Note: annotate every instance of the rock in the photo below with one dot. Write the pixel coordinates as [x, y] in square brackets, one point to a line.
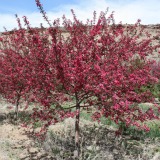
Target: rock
[75, 154]
[33, 150]
[49, 157]
[23, 155]
[94, 142]
[157, 101]
[32, 143]
[96, 129]
[97, 148]
[31, 130]
[156, 157]
[19, 127]
[37, 130]
[90, 148]
[27, 143]
[115, 151]
[110, 157]
[41, 154]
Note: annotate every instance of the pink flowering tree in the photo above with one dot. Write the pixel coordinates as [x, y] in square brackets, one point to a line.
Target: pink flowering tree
[156, 72]
[98, 65]
[12, 64]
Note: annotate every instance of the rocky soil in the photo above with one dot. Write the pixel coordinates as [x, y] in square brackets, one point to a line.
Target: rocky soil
[98, 142]
[15, 143]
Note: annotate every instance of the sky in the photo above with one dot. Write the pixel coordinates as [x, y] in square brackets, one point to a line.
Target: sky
[127, 11]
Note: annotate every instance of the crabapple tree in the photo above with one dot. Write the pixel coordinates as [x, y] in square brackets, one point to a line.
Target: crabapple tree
[97, 64]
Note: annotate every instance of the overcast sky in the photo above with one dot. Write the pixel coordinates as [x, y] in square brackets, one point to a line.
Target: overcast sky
[127, 11]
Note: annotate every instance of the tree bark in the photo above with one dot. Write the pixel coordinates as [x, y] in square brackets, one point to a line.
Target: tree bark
[17, 107]
[77, 130]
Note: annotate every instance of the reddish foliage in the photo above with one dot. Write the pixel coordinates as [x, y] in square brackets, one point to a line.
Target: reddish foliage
[99, 64]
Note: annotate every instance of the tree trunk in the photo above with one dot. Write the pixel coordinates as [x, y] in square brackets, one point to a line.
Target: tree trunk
[16, 109]
[77, 145]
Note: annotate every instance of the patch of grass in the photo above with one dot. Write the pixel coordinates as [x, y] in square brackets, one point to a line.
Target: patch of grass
[154, 132]
[103, 120]
[86, 116]
[154, 129]
[98, 141]
[156, 90]
[37, 124]
[145, 107]
[93, 140]
[25, 116]
[108, 121]
[154, 125]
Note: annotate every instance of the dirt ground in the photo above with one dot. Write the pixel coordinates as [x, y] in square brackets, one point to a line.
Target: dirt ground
[12, 141]
[16, 144]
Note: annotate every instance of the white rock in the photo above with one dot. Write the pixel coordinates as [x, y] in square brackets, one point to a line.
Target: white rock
[33, 150]
[23, 155]
[90, 148]
[156, 157]
[41, 154]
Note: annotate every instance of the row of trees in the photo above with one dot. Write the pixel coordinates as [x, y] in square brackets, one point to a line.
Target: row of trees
[97, 64]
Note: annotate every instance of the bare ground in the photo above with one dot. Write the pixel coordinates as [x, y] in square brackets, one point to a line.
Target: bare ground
[98, 142]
